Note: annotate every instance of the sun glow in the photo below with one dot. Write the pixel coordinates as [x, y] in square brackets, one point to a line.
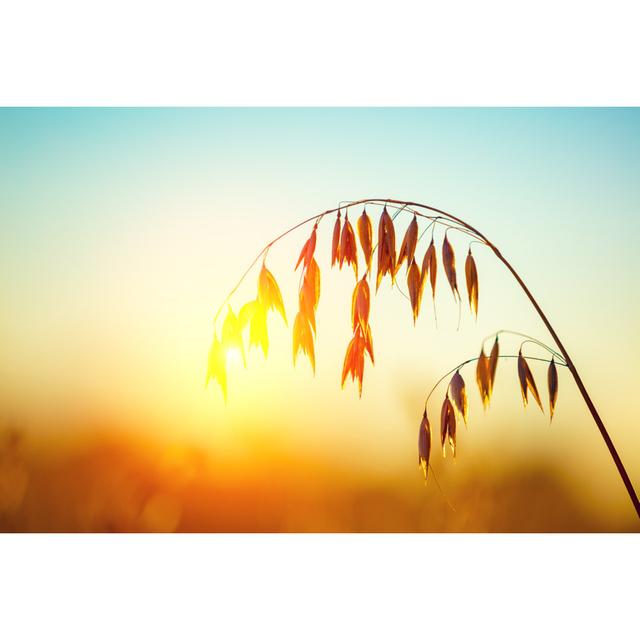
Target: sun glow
[233, 357]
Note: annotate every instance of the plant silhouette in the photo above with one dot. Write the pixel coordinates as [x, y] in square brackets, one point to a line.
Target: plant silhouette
[344, 251]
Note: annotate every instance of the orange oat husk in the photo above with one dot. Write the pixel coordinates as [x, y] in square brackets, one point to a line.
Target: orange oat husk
[552, 385]
[309, 293]
[527, 383]
[448, 427]
[424, 444]
[360, 304]
[335, 242]
[386, 248]
[483, 378]
[365, 234]
[459, 395]
[308, 249]
[408, 246]
[429, 268]
[303, 339]
[449, 263]
[493, 364]
[348, 247]
[471, 274]
[354, 358]
[415, 290]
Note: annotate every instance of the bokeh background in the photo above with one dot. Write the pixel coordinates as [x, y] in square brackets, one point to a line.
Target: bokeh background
[122, 230]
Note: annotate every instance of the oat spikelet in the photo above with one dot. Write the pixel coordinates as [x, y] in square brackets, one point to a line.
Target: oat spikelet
[483, 378]
[335, 243]
[448, 427]
[232, 334]
[365, 233]
[430, 268]
[408, 246]
[354, 357]
[309, 293]
[526, 381]
[303, 339]
[258, 335]
[269, 292]
[449, 262]
[368, 343]
[471, 274]
[493, 364]
[459, 395]
[424, 444]
[246, 313]
[360, 304]
[216, 366]
[348, 247]
[308, 249]
[386, 248]
[552, 383]
[415, 291]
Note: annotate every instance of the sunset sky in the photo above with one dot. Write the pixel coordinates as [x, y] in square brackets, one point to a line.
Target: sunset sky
[122, 230]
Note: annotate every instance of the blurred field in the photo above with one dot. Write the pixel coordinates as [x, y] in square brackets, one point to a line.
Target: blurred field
[113, 483]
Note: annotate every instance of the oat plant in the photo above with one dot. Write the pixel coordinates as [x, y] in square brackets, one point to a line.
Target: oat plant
[418, 274]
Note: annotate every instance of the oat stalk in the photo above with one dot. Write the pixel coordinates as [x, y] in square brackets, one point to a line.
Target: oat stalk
[486, 367]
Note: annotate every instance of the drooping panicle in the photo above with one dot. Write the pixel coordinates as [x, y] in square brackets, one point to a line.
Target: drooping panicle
[258, 335]
[308, 248]
[424, 444]
[449, 263]
[459, 395]
[483, 378]
[430, 268]
[335, 242]
[303, 339]
[415, 291]
[527, 383]
[365, 233]
[360, 304]
[348, 247]
[361, 341]
[408, 246]
[552, 383]
[269, 292]
[471, 274]
[309, 293]
[386, 248]
[448, 426]
[354, 357]
[493, 362]
[232, 334]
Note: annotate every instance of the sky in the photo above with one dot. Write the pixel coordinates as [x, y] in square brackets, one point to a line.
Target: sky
[122, 231]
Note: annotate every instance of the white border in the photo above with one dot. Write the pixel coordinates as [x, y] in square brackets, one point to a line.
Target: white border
[312, 586]
[330, 53]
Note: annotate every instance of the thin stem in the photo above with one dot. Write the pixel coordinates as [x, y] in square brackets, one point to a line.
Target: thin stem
[462, 364]
[528, 339]
[264, 251]
[444, 495]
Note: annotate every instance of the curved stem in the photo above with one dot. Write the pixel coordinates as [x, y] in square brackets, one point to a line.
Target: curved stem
[462, 364]
[528, 339]
[578, 380]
